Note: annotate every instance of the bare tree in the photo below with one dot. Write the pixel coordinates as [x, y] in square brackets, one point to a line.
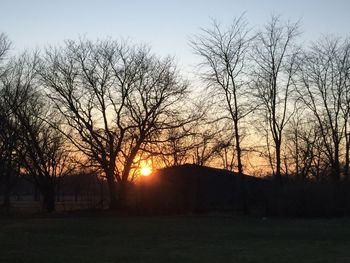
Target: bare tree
[5, 45]
[214, 143]
[40, 151]
[207, 146]
[116, 99]
[276, 59]
[223, 53]
[8, 139]
[303, 142]
[9, 161]
[202, 141]
[325, 91]
[174, 148]
[343, 65]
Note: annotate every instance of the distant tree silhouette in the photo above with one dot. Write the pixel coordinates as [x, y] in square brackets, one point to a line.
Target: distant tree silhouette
[223, 53]
[215, 142]
[200, 141]
[276, 59]
[325, 90]
[41, 148]
[304, 146]
[174, 148]
[8, 130]
[5, 45]
[9, 159]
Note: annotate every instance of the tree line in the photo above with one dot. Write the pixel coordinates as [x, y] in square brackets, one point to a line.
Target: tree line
[267, 100]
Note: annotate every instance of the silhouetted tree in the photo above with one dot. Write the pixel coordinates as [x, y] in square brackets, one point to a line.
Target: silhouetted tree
[276, 63]
[214, 142]
[8, 130]
[202, 141]
[223, 53]
[303, 142]
[41, 149]
[9, 161]
[116, 98]
[174, 148]
[5, 45]
[325, 91]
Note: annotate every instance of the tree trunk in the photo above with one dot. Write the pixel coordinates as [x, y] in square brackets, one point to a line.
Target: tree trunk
[112, 190]
[336, 171]
[347, 152]
[122, 195]
[347, 160]
[241, 180]
[298, 173]
[49, 198]
[336, 167]
[58, 192]
[8, 185]
[278, 162]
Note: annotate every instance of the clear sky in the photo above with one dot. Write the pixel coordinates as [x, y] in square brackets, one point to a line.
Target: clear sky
[165, 25]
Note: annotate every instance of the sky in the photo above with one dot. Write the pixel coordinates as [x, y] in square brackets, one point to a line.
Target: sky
[166, 26]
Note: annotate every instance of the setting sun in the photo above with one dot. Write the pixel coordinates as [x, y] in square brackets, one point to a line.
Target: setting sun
[146, 171]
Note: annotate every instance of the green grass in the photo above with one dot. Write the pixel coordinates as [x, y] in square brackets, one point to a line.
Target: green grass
[173, 239]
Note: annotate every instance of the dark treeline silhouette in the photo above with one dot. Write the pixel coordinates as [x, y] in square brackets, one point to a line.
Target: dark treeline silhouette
[72, 192]
[269, 106]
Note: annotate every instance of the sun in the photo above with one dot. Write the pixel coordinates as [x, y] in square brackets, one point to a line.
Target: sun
[145, 171]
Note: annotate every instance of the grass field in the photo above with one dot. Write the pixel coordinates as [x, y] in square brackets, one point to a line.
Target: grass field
[173, 239]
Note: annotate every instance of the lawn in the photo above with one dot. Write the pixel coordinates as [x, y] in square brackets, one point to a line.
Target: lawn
[174, 239]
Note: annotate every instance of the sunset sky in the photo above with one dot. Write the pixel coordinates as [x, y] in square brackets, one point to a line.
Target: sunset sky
[165, 25]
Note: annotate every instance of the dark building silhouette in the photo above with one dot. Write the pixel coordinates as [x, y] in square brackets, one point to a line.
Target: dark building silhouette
[193, 188]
